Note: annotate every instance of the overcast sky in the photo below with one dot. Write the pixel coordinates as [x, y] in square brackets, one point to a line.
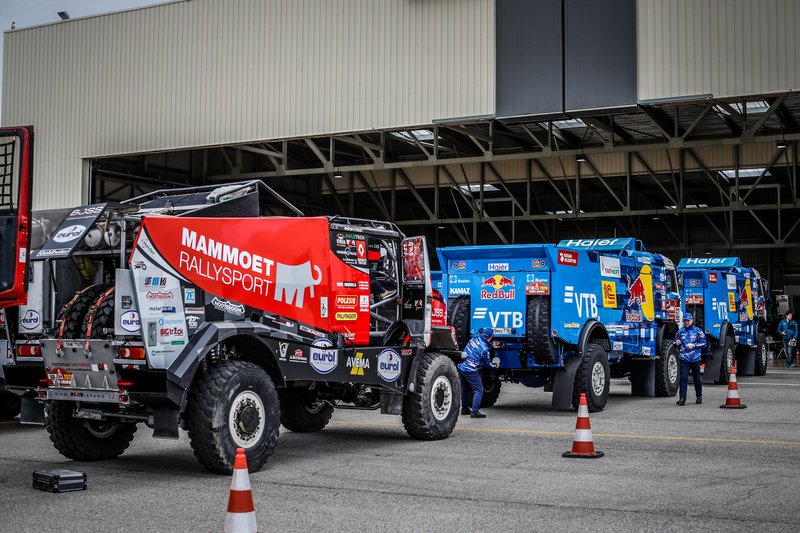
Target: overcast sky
[25, 13]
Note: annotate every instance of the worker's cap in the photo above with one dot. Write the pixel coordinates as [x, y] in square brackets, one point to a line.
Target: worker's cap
[687, 316]
[488, 333]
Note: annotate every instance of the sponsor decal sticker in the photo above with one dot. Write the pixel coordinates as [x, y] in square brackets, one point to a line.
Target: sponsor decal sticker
[189, 296]
[731, 278]
[323, 360]
[130, 321]
[346, 317]
[282, 349]
[645, 350]
[357, 364]
[610, 267]
[192, 321]
[196, 310]
[609, 294]
[227, 307]
[503, 288]
[632, 316]
[298, 357]
[155, 281]
[159, 295]
[30, 320]
[497, 267]
[617, 346]
[732, 302]
[405, 352]
[389, 365]
[60, 377]
[568, 258]
[712, 278]
[347, 301]
[69, 234]
[572, 325]
[537, 288]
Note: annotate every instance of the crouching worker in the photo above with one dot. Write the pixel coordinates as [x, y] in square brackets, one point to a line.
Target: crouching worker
[691, 341]
[476, 357]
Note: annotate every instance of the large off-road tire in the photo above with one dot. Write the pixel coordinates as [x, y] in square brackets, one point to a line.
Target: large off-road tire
[593, 378]
[699, 315]
[728, 358]
[9, 405]
[668, 369]
[430, 412]
[762, 355]
[100, 316]
[458, 316]
[302, 412]
[85, 440]
[537, 328]
[233, 404]
[73, 314]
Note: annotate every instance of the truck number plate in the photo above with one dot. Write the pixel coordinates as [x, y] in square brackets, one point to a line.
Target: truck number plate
[83, 395]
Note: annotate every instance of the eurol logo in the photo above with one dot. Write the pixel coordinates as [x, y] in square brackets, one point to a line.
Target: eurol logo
[389, 365]
[499, 283]
[568, 258]
[31, 320]
[70, 233]
[130, 321]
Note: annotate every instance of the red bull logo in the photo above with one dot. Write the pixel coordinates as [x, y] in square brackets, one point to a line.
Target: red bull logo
[499, 283]
[638, 294]
[744, 299]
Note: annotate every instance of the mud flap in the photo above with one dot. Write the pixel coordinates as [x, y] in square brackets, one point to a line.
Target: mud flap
[391, 403]
[643, 378]
[563, 383]
[713, 364]
[165, 424]
[31, 412]
[745, 361]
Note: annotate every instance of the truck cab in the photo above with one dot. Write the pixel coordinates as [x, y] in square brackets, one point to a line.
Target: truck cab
[728, 301]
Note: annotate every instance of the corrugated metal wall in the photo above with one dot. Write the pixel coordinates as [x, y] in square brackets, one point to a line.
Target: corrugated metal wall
[210, 72]
[719, 47]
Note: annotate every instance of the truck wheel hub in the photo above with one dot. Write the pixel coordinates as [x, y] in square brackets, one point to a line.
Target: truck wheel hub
[441, 398]
[101, 430]
[246, 419]
[598, 379]
[672, 367]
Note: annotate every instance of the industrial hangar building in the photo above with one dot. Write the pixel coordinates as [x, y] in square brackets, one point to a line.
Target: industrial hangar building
[471, 121]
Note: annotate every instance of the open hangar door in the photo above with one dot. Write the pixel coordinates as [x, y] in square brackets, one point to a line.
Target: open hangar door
[707, 177]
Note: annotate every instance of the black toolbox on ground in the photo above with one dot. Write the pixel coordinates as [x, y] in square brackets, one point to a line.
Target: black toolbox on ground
[59, 480]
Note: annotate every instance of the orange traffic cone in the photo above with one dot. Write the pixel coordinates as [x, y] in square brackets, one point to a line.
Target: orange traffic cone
[582, 443]
[241, 517]
[732, 400]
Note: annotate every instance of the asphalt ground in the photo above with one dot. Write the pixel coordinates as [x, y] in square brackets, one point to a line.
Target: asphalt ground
[666, 468]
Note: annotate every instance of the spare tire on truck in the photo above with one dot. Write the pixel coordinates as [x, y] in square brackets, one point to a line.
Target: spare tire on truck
[537, 329]
[458, 316]
[100, 317]
[73, 314]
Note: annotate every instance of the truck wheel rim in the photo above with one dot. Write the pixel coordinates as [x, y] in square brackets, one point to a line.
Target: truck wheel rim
[246, 419]
[441, 398]
[314, 407]
[101, 430]
[598, 379]
[672, 368]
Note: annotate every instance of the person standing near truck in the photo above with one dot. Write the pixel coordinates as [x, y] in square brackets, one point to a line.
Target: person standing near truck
[788, 332]
[476, 357]
[691, 341]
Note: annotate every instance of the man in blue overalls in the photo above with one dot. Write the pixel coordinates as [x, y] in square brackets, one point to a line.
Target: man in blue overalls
[691, 341]
[476, 356]
[788, 332]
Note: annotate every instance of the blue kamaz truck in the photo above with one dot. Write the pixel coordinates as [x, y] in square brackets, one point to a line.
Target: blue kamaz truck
[728, 302]
[569, 317]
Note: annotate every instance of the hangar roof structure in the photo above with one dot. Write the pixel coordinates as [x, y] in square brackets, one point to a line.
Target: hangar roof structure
[472, 121]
